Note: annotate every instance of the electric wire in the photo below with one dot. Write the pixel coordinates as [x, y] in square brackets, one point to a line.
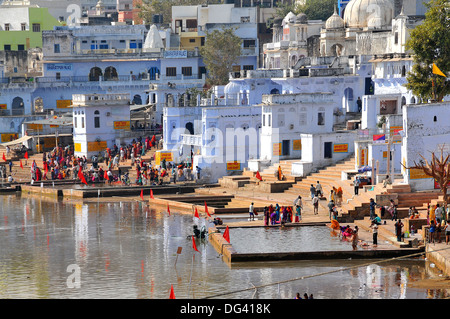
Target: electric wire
[320, 274]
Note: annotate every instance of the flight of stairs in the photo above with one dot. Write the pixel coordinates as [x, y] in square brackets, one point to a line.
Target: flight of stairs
[270, 183]
[328, 177]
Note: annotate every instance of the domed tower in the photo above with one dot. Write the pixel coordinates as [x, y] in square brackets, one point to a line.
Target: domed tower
[332, 36]
[334, 22]
[359, 12]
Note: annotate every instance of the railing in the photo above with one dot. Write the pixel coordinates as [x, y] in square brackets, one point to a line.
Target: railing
[366, 135]
[136, 133]
[188, 139]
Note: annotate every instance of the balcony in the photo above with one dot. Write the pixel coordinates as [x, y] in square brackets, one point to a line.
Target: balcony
[188, 139]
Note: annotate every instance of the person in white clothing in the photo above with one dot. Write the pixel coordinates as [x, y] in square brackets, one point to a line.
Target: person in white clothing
[251, 211]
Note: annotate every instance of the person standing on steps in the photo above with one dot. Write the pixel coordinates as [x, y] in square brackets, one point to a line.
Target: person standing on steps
[372, 206]
[251, 211]
[319, 191]
[315, 202]
[398, 229]
[356, 185]
[312, 189]
[374, 227]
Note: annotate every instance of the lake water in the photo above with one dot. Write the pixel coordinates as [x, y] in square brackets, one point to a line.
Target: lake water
[127, 250]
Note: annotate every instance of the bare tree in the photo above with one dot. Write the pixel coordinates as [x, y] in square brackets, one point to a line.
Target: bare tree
[438, 168]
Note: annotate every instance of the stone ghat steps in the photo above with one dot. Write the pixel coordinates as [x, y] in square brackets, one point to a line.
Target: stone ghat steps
[24, 175]
[268, 174]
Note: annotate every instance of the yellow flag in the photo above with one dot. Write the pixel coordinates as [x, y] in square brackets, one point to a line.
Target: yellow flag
[437, 71]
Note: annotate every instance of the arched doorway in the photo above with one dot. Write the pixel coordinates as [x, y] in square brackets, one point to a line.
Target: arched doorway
[348, 100]
[137, 99]
[18, 107]
[190, 127]
[152, 72]
[95, 73]
[274, 91]
[336, 50]
[110, 74]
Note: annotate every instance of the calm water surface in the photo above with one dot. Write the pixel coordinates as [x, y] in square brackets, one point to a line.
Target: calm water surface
[127, 250]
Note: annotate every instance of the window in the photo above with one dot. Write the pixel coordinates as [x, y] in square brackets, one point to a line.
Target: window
[7, 25]
[171, 71]
[396, 38]
[191, 40]
[82, 122]
[36, 27]
[7, 47]
[75, 122]
[248, 67]
[191, 24]
[127, 6]
[303, 118]
[58, 75]
[280, 120]
[97, 119]
[186, 71]
[56, 48]
[269, 120]
[23, 27]
[249, 43]
[20, 47]
[245, 19]
[264, 120]
[321, 116]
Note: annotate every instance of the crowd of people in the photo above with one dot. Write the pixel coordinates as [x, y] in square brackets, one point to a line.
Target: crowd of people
[438, 219]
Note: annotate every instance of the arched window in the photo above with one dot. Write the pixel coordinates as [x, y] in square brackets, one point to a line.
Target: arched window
[96, 119]
[95, 73]
[274, 91]
[403, 71]
[321, 116]
[403, 100]
[110, 74]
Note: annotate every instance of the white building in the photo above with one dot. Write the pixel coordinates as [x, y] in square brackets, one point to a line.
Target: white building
[99, 121]
[426, 129]
[294, 37]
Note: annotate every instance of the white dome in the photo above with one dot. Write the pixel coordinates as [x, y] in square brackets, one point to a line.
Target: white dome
[289, 18]
[232, 88]
[301, 18]
[335, 21]
[153, 40]
[358, 12]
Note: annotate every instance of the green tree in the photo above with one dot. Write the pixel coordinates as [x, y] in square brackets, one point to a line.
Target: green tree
[430, 43]
[314, 9]
[222, 49]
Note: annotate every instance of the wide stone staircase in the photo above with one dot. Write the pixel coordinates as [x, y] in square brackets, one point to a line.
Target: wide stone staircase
[269, 183]
[357, 206]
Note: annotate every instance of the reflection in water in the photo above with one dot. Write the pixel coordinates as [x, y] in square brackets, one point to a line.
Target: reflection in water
[128, 250]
